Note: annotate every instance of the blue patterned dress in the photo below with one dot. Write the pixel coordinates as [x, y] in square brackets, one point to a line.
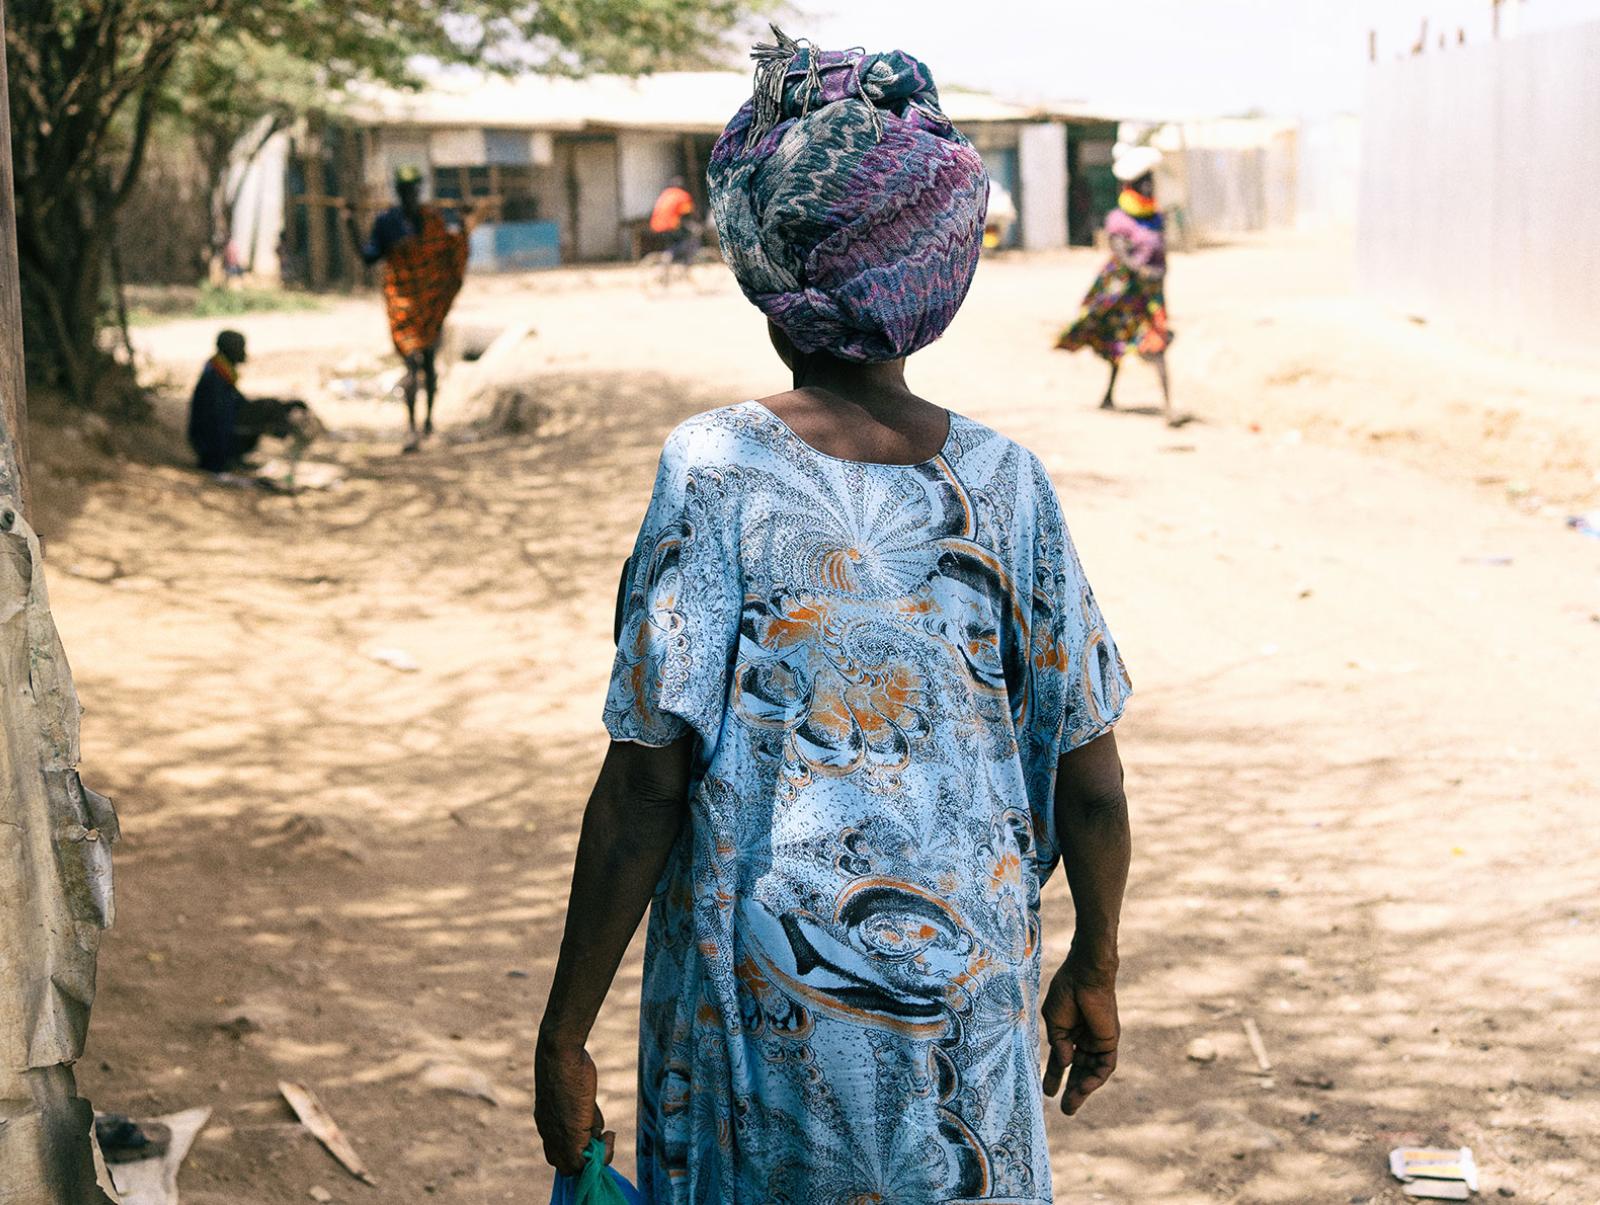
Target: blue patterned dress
[882, 664]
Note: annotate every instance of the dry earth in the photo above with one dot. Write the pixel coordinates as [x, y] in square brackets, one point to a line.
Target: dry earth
[1362, 752]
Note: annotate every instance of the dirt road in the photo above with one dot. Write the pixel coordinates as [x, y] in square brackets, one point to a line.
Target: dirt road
[1362, 749]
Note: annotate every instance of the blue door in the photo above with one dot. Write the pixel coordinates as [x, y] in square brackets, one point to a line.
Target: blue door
[1002, 165]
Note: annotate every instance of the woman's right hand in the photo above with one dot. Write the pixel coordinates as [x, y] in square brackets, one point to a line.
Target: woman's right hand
[564, 1105]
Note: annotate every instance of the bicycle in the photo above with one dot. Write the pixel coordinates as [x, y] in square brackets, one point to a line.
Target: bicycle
[684, 260]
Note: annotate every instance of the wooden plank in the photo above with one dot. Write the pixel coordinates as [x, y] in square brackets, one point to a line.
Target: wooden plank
[315, 201]
[1258, 1048]
[694, 172]
[316, 1118]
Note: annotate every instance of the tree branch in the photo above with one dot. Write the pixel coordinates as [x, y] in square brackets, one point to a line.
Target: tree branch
[141, 139]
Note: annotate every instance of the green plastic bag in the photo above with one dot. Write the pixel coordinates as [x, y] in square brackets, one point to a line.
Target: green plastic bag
[597, 1184]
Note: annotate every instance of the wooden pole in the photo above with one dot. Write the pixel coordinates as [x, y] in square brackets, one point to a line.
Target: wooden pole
[13, 399]
[55, 835]
[316, 200]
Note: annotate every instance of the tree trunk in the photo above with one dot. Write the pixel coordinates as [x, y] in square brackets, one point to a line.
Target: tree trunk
[62, 275]
[214, 160]
[55, 836]
[72, 189]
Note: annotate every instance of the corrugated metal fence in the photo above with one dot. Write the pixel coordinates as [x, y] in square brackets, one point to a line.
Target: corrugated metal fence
[1236, 175]
[1480, 189]
[1233, 189]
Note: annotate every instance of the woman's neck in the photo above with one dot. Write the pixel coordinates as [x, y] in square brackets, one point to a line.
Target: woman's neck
[851, 380]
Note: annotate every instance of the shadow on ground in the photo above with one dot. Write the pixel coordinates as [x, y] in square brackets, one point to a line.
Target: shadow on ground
[355, 877]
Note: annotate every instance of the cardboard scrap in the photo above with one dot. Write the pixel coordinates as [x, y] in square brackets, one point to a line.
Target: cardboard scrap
[1437, 1190]
[102, 1175]
[155, 1181]
[320, 1122]
[394, 658]
[1435, 1173]
[294, 477]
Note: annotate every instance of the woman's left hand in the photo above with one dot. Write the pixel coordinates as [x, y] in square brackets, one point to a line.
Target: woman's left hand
[564, 1105]
[1081, 1025]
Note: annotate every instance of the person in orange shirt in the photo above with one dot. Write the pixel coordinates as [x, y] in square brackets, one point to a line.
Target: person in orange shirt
[673, 219]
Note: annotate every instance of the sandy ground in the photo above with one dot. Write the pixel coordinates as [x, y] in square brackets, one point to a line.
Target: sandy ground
[1362, 752]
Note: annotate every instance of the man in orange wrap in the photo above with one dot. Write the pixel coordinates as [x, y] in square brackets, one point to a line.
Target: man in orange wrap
[424, 255]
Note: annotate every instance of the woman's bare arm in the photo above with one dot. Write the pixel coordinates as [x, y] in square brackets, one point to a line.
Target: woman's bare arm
[633, 818]
[1080, 1007]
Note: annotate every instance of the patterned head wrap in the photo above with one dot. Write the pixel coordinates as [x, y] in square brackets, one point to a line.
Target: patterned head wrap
[849, 207]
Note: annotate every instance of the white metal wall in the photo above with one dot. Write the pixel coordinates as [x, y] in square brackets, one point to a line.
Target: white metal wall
[1480, 186]
[1230, 175]
[1042, 178]
[1328, 175]
[598, 233]
[258, 213]
[645, 162]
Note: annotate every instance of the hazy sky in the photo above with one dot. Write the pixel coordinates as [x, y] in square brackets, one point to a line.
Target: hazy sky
[1165, 57]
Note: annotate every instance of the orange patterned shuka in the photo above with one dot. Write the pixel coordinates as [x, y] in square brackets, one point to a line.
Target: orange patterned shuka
[422, 275]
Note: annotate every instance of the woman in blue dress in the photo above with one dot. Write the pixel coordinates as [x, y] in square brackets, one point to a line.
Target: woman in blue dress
[861, 708]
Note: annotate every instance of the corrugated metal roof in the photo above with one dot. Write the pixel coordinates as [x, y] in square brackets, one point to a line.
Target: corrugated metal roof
[687, 101]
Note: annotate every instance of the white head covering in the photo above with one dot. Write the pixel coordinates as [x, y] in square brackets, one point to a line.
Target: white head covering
[1129, 162]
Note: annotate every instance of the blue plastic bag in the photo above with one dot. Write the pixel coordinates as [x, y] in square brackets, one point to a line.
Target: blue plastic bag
[596, 1185]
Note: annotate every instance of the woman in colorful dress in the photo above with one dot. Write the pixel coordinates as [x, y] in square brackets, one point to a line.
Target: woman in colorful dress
[1126, 306]
[861, 708]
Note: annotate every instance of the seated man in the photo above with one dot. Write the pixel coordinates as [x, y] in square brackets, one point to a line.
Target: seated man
[225, 426]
